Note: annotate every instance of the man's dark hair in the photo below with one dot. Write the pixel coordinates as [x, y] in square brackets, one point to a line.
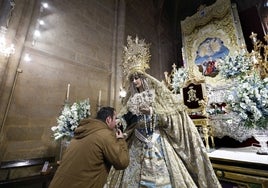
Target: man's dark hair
[105, 112]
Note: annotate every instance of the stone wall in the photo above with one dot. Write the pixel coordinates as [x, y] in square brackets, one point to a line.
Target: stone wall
[76, 47]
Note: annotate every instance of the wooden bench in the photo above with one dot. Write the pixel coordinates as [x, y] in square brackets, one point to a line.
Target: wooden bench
[41, 179]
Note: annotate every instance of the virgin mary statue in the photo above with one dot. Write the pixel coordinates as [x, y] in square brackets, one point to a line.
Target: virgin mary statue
[164, 145]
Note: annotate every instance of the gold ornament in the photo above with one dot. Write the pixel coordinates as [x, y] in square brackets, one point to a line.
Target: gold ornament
[136, 56]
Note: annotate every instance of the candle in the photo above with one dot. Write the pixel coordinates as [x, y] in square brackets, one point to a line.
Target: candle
[68, 92]
[99, 99]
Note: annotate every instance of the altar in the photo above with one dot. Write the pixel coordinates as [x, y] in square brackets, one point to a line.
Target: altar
[240, 167]
[224, 122]
[236, 92]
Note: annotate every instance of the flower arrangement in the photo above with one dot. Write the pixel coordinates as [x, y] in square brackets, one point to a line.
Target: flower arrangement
[179, 77]
[233, 66]
[69, 119]
[249, 99]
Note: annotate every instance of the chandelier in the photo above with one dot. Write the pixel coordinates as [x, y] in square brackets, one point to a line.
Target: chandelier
[4, 48]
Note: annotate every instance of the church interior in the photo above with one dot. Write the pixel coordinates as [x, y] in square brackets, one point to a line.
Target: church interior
[57, 53]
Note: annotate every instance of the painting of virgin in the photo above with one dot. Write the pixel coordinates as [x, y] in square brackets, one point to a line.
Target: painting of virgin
[208, 54]
[208, 36]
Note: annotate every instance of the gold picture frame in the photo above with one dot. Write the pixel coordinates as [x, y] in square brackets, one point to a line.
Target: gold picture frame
[208, 36]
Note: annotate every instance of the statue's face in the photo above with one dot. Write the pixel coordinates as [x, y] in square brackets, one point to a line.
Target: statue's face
[136, 80]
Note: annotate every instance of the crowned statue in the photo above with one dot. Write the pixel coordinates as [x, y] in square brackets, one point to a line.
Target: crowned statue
[165, 147]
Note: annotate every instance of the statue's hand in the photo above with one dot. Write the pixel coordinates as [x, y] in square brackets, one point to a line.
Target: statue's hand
[145, 110]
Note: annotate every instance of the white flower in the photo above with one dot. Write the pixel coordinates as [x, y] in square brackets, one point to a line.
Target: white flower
[243, 105]
[69, 119]
[54, 128]
[229, 121]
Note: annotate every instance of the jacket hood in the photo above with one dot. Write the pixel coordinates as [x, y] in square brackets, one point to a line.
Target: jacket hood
[87, 127]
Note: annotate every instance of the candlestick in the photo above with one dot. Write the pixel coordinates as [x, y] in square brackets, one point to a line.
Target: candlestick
[99, 99]
[68, 92]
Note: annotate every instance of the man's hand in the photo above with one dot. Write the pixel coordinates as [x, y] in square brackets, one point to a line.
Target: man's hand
[119, 134]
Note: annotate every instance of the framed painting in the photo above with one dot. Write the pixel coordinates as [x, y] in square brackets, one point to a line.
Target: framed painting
[208, 37]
